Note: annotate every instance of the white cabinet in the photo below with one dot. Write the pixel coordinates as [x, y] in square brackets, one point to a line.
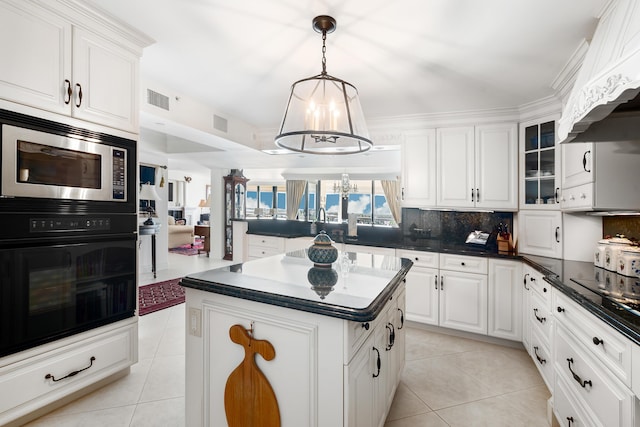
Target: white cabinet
[54, 371]
[477, 167]
[600, 176]
[419, 169]
[422, 286]
[314, 384]
[70, 62]
[260, 246]
[505, 299]
[540, 233]
[456, 167]
[463, 301]
[463, 295]
[540, 166]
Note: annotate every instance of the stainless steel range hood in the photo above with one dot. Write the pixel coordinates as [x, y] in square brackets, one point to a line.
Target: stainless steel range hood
[603, 105]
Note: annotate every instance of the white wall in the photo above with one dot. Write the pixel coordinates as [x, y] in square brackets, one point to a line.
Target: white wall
[581, 235]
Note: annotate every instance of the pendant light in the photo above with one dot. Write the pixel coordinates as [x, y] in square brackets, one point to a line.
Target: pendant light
[323, 114]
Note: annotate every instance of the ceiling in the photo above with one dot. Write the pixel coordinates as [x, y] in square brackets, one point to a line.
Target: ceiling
[406, 57]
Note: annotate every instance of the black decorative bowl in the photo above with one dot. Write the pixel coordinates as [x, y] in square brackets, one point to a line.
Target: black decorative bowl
[322, 253]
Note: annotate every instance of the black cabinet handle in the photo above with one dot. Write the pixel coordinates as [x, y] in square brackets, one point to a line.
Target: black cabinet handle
[524, 281]
[462, 264]
[378, 363]
[540, 359]
[69, 92]
[555, 194]
[79, 102]
[435, 280]
[366, 326]
[392, 336]
[477, 194]
[584, 161]
[540, 319]
[560, 309]
[472, 196]
[558, 234]
[441, 282]
[71, 374]
[570, 419]
[577, 377]
[401, 319]
[597, 341]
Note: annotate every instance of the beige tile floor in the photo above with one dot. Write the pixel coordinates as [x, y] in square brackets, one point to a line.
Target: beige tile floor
[447, 381]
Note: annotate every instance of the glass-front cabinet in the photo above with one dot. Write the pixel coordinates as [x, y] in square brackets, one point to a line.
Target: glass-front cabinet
[539, 166]
[235, 193]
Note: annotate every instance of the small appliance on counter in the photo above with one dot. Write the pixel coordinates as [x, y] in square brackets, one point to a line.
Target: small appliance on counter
[476, 237]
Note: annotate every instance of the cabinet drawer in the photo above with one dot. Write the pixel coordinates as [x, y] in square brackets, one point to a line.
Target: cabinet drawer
[536, 281]
[419, 258]
[540, 318]
[611, 348]
[356, 333]
[467, 264]
[541, 355]
[261, 252]
[276, 243]
[113, 351]
[568, 410]
[602, 393]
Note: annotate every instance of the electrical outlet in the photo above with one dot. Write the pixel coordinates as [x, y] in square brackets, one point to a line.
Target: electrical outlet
[195, 322]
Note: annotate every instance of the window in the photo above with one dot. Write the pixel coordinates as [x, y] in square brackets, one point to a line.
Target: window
[366, 199]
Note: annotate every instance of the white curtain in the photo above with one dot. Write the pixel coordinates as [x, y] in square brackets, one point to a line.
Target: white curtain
[392, 193]
[295, 190]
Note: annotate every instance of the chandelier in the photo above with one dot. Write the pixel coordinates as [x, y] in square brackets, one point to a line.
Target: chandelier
[323, 114]
[344, 188]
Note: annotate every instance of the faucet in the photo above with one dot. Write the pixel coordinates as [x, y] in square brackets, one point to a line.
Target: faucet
[324, 215]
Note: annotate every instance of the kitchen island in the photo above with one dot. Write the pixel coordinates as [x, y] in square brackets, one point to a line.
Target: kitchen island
[338, 337]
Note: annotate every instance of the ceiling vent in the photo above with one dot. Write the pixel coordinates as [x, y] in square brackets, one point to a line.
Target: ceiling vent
[157, 99]
[220, 123]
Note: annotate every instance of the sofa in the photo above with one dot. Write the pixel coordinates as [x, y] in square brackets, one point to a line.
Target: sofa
[179, 233]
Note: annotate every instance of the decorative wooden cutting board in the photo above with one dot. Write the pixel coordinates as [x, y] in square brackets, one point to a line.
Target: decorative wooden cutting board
[249, 400]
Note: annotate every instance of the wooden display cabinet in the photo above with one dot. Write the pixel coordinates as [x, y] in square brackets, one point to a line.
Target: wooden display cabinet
[235, 194]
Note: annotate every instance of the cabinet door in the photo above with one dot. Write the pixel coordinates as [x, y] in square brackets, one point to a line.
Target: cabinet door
[360, 383]
[419, 169]
[107, 76]
[455, 165]
[422, 295]
[540, 166]
[463, 301]
[496, 171]
[505, 299]
[526, 304]
[540, 233]
[36, 50]
[577, 164]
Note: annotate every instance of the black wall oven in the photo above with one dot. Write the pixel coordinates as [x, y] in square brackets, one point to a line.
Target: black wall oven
[67, 258]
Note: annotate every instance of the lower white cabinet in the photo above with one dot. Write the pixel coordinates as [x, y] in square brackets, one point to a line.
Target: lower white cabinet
[505, 299]
[43, 375]
[463, 301]
[314, 381]
[260, 246]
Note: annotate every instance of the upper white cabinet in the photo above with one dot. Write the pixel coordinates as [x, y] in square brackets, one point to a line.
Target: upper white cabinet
[599, 176]
[71, 61]
[477, 167]
[419, 168]
[539, 165]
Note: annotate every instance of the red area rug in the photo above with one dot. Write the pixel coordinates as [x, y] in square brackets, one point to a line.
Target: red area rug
[160, 295]
[188, 249]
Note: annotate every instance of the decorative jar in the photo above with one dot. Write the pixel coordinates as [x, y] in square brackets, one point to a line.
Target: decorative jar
[322, 253]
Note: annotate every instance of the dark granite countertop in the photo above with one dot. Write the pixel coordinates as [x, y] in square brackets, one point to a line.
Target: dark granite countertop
[279, 234]
[597, 290]
[291, 280]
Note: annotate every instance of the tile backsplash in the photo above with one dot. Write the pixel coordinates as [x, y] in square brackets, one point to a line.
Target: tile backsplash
[627, 225]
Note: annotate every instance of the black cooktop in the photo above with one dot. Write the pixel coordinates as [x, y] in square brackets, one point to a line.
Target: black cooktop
[613, 292]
